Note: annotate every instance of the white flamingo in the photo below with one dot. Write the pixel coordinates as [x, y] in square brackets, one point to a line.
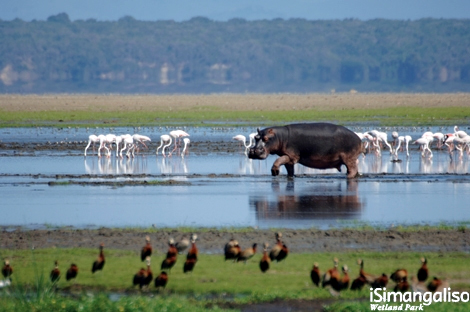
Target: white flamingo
[424, 143]
[141, 139]
[186, 142]
[118, 140]
[177, 134]
[242, 139]
[106, 139]
[165, 146]
[163, 139]
[128, 143]
[440, 139]
[459, 133]
[407, 142]
[92, 139]
[381, 137]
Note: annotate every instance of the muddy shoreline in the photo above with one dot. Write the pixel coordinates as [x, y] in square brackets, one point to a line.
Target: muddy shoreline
[211, 241]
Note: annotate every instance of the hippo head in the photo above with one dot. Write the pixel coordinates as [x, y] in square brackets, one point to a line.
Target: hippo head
[262, 146]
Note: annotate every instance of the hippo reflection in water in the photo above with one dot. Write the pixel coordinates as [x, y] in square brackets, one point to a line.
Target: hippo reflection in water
[314, 145]
[330, 201]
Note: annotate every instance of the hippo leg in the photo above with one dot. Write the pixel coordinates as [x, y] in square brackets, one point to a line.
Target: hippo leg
[283, 160]
[351, 166]
[290, 170]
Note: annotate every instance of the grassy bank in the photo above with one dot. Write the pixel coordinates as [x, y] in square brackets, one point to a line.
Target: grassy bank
[215, 279]
[232, 109]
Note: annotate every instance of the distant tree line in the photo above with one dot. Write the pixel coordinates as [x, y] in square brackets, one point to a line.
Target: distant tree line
[201, 55]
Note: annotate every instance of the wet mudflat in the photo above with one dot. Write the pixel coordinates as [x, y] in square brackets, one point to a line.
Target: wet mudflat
[46, 180]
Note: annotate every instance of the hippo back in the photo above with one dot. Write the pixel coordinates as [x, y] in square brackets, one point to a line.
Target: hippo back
[321, 138]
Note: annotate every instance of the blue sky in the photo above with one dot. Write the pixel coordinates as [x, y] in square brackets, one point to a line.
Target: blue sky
[180, 10]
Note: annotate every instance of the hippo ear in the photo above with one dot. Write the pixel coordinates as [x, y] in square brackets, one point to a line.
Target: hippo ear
[258, 130]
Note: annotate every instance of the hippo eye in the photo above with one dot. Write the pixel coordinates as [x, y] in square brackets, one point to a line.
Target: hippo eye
[265, 139]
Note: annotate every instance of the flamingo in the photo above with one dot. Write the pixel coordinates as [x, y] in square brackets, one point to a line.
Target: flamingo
[449, 141]
[252, 137]
[186, 142]
[428, 136]
[118, 140]
[459, 133]
[407, 142]
[141, 139]
[440, 139]
[92, 139]
[424, 143]
[381, 137]
[400, 139]
[242, 139]
[105, 139]
[372, 141]
[128, 142]
[165, 146]
[177, 134]
[395, 138]
[164, 138]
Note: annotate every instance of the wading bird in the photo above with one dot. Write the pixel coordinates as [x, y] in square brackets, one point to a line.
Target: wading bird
[161, 280]
[279, 251]
[171, 254]
[402, 285]
[437, 285]
[342, 283]
[315, 274]
[424, 145]
[242, 139]
[143, 277]
[138, 278]
[186, 142]
[177, 135]
[191, 257]
[232, 250]
[92, 139]
[265, 260]
[399, 275]
[423, 272]
[99, 263]
[182, 245]
[164, 138]
[146, 250]
[55, 273]
[72, 272]
[331, 273]
[128, 143]
[247, 254]
[7, 270]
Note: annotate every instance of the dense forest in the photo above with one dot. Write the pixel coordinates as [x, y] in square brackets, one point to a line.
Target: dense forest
[202, 56]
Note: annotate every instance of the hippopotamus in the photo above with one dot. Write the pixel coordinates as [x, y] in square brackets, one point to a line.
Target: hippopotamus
[315, 145]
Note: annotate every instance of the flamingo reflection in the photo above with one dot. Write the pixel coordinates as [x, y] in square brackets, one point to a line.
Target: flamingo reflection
[108, 166]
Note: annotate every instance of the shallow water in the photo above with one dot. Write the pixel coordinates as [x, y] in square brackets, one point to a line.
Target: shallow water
[225, 189]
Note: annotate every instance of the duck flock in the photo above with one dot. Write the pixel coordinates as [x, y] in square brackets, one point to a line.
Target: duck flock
[333, 279]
